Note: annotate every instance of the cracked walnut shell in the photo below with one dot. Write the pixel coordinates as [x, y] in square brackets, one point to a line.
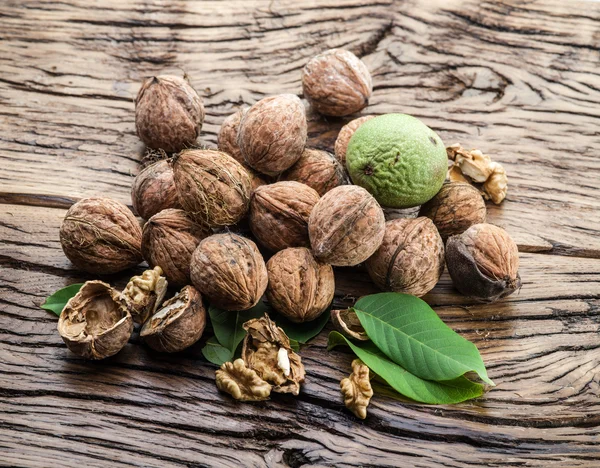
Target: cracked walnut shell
[319, 170]
[343, 138]
[153, 190]
[357, 390]
[242, 383]
[144, 294]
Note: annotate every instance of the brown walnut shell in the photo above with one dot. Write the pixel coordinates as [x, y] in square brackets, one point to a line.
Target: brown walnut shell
[483, 263]
[101, 236]
[153, 190]
[455, 208]
[230, 271]
[178, 324]
[337, 83]
[169, 240]
[213, 187]
[273, 133]
[95, 324]
[279, 214]
[343, 138]
[410, 259]
[227, 139]
[168, 113]
[319, 170]
[346, 226]
[300, 287]
[346, 322]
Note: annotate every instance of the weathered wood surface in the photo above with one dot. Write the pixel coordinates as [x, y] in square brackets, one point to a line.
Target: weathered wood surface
[517, 79]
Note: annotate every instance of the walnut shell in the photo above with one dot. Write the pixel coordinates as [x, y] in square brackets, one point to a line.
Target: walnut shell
[319, 170]
[178, 324]
[168, 113]
[169, 239]
[279, 214]
[346, 226]
[227, 139]
[230, 271]
[346, 322]
[101, 236]
[343, 138]
[153, 190]
[273, 133]
[455, 208]
[95, 324]
[213, 187]
[483, 263]
[337, 83]
[300, 287]
[410, 259]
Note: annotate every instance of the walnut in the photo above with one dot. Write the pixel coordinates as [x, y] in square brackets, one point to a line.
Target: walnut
[144, 294]
[483, 263]
[455, 208]
[101, 236]
[266, 350]
[153, 190]
[213, 187]
[319, 170]
[178, 324]
[169, 239]
[242, 383]
[168, 113]
[357, 390]
[95, 324]
[228, 135]
[347, 323]
[273, 133]
[300, 287]
[346, 226]
[496, 185]
[410, 259]
[336, 83]
[343, 138]
[230, 271]
[279, 214]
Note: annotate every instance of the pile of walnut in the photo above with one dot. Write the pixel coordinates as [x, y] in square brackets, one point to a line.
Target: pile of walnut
[298, 205]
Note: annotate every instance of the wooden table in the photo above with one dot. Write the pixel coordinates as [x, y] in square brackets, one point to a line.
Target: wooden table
[518, 79]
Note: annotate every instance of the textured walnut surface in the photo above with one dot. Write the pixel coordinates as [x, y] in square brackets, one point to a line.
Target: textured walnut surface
[319, 170]
[242, 383]
[227, 139]
[144, 294]
[356, 389]
[153, 190]
[343, 138]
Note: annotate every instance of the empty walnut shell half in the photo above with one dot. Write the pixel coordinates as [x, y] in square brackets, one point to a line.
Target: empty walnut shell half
[168, 113]
[101, 236]
[319, 170]
[337, 83]
[410, 259]
[144, 294]
[178, 324]
[153, 190]
[455, 208]
[230, 271]
[279, 214]
[343, 138]
[346, 226]
[227, 139]
[347, 323]
[300, 287]
[95, 324]
[483, 263]
[169, 239]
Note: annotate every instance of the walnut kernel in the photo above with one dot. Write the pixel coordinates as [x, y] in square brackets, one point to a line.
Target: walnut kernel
[242, 383]
[144, 294]
[357, 390]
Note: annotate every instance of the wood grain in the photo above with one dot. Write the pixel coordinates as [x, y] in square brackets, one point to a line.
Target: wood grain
[517, 79]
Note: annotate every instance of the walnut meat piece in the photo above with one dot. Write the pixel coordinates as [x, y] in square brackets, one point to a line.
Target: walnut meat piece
[144, 294]
[300, 287]
[279, 214]
[273, 133]
[178, 324]
[336, 83]
[168, 113]
[319, 170]
[346, 226]
[266, 350]
[343, 138]
[230, 271]
[357, 390]
[169, 239]
[153, 190]
[213, 187]
[227, 139]
[242, 383]
[95, 324]
[101, 236]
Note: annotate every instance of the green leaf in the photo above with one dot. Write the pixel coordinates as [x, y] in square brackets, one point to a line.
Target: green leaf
[302, 332]
[411, 334]
[216, 353]
[294, 345]
[227, 325]
[57, 301]
[405, 383]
